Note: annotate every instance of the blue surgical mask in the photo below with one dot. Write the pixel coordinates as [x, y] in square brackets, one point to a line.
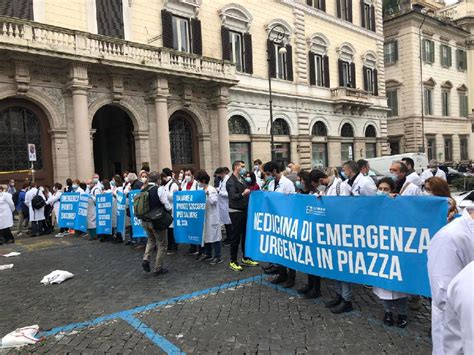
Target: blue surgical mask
[74, 186]
[112, 183]
[382, 193]
[343, 174]
[394, 177]
[248, 180]
[95, 180]
[269, 178]
[299, 185]
[243, 171]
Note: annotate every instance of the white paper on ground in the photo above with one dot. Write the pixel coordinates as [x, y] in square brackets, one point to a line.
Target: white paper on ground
[20, 337]
[56, 277]
[6, 266]
[13, 253]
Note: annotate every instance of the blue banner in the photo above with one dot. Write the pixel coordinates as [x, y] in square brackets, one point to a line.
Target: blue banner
[68, 209]
[121, 213]
[189, 212]
[104, 210]
[378, 241]
[80, 223]
[137, 229]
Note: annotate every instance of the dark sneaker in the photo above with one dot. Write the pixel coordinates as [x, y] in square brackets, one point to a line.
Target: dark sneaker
[288, 283]
[216, 261]
[161, 271]
[279, 279]
[334, 302]
[343, 307]
[205, 257]
[388, 319]
[305, 289]
[402, 321]
[312, 294]
[146, 265]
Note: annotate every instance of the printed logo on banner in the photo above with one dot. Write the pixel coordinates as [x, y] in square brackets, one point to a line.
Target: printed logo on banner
[67, 209]
[376, 240]
[189, 213]
[121, 213]
[104, 209]
[137, 228]
[80, 223]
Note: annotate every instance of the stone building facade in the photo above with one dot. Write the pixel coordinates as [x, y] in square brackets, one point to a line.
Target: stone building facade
[428, 82]
[112, 85]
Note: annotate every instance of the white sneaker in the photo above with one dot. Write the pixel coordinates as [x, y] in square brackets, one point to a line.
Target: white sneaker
[59, 235]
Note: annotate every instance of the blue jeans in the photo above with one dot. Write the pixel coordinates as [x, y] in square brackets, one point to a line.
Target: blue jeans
[217, 249]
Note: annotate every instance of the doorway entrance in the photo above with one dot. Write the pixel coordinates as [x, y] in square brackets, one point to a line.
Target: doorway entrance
[183, 141]
[114, 144]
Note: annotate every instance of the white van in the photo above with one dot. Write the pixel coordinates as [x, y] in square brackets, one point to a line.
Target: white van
[381, 165]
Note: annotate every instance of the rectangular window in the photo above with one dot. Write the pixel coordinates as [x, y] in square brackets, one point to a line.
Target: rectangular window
[367, 13]
[344, 9]
[347, 152]
[317, 4]
[109, 18]
[463, 107]
[280, 62]
[394, 147]
[319, 69]
[445, 103]
[463, 148]
[319, 157]
[17, 8]
[392, 102]
[428, 101]
[448, 149]
[369, 80]
[240, 151]
[236, 51]
[461, 59]
[282, 154]
[431, 145]
[370, 150]
[445, 51]
[428, 51]
[390, 51]
[181, 34]
[346, 74]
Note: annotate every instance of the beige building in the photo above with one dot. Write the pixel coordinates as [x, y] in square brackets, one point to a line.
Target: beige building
[428, 82]
[110, 85]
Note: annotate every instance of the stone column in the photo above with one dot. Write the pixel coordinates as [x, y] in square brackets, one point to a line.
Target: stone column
[222, 97]
[59, 145]
[359, 148]
[334, 151]
[162, 123]
[82, 141]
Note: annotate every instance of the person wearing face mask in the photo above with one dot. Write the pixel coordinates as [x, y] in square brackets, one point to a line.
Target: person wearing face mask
[238, 193]
[251, 181]
[170, 186]
[391, 300]
[398, 173]
[257, 165]
[180, 177]
[95, 187]
[6, 216]
[91, 211]
[76, 187]
[143, 176]
[212, 227]
[433, 170]
[332, 185]
[37, 217]
[54, 202]
[189, 184]
[435, 186]
[223, 202]
[357, 183]
[412, 175]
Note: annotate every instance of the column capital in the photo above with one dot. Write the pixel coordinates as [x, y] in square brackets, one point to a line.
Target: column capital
[220, 96]
[159, 89]
[78, 79]
[59, 133]
[141, 134]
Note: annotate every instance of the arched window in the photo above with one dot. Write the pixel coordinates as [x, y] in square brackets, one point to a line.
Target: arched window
[280, 127]
[319, 129]
[347, 130]
[18, 128]
[238, 125]
[181, 140]
[370, 132]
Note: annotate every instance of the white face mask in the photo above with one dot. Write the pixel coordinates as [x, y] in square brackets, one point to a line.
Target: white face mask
[322, 188]
[143, 179]
[41, 189]
[126, 179]
[187, 178]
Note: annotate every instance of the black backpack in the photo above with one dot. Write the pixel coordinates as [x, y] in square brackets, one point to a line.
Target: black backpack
[38, 202]
[16, 197]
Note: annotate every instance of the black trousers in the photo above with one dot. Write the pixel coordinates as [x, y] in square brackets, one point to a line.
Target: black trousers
[314, 282]
[6, 235]
[228, 231]
[286, 271]
[37, 227]
[239, 226]
[171, 242]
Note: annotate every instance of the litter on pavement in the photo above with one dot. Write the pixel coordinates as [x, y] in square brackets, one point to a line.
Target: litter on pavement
[6, 266]
[13, 253]
[20, 337]
[56, 277]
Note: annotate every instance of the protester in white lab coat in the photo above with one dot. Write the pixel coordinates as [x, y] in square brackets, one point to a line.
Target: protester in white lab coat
[412, 175]
[223, 175]
[37, 217]
[331, 185]
[54, 201]
[391, 300]
[399, 172]
[77, 188]
[212, 226]
[189, 183]
[94, 188]
[451, 249]
[6, 216]
[107, 189]
[459, 315]
[170, 186]
[257, 170]
[357, 183]
[433, 170]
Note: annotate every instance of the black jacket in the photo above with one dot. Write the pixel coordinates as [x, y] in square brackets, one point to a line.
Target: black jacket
[234, 188]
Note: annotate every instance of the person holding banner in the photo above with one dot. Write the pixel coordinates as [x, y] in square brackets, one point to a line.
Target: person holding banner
[95, 189]
[212, 227]
[190, 184]
[54, 201]
[170, 186]
[108, 190]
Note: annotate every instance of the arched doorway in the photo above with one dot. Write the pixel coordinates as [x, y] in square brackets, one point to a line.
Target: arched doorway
[22, 123]
[114, 144]
[183, 141]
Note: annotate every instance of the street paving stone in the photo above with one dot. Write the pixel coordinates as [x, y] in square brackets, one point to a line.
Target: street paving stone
[250, 318]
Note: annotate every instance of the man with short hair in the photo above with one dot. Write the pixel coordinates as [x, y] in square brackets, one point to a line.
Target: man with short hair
[433, 170]
[156, 196]
[189, 184]
[364, 167]
[257, 165]
[412, 175]
[238, 193]
[399, 172]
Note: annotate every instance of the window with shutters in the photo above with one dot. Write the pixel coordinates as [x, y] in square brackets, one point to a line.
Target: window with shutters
[317, 4]
[344, 9]
[236, 50]
[110, 18]
[281, 67]
[431, 145]
[445, 52]
[390, 51]
[463, 142]
[428, 101]
[445, 97]
[279, 50]
[461, 59]
[181, 34]
[346, 74]
[367, 14]
[17, 8]
[318, 61]
[428, 51]
[346, 66]
[463, 107]
[448, 148]
[392, 102]
[370, 80]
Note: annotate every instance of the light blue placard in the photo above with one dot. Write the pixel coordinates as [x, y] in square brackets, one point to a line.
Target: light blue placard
[137, 229]
[104, 210]
[121, 213]
[81, 218]
[67, 209]
[189, 213]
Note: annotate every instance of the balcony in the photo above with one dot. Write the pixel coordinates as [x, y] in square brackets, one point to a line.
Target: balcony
[348, 100]
[30, 37]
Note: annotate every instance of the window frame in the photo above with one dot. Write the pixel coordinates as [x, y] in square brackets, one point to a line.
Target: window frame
[392, 53]
[389, 99]
[428, 51]
[233, 54]
[445, 103]
[280, 60]
[464, 148]
[463, 54]
[463, 101]
[448, 148]
[177, 35]
[447, 61]
[428, 101]
[346, 74]
[369, 79]
[431, 145]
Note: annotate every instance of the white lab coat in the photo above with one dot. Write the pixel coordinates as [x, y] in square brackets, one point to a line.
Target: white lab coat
[451, 249]
[284, 186]
[35, 215]
[6, 210]
[212, 225]
[410, 189]
[91, 213]
[459, 315]
[54, 200]
[427, 174]
[332, 189]
[194, 186]
[362, 186]
[223, 202]
[414, 178]
[170, 188]
[258, 176]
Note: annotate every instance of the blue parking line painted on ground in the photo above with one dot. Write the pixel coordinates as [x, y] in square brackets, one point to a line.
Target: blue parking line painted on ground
[154, 337]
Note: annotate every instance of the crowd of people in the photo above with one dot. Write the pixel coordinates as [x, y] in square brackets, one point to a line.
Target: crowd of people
[227, 202]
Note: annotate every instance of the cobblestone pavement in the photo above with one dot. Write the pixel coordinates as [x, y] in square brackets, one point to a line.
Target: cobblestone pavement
[196, 308]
